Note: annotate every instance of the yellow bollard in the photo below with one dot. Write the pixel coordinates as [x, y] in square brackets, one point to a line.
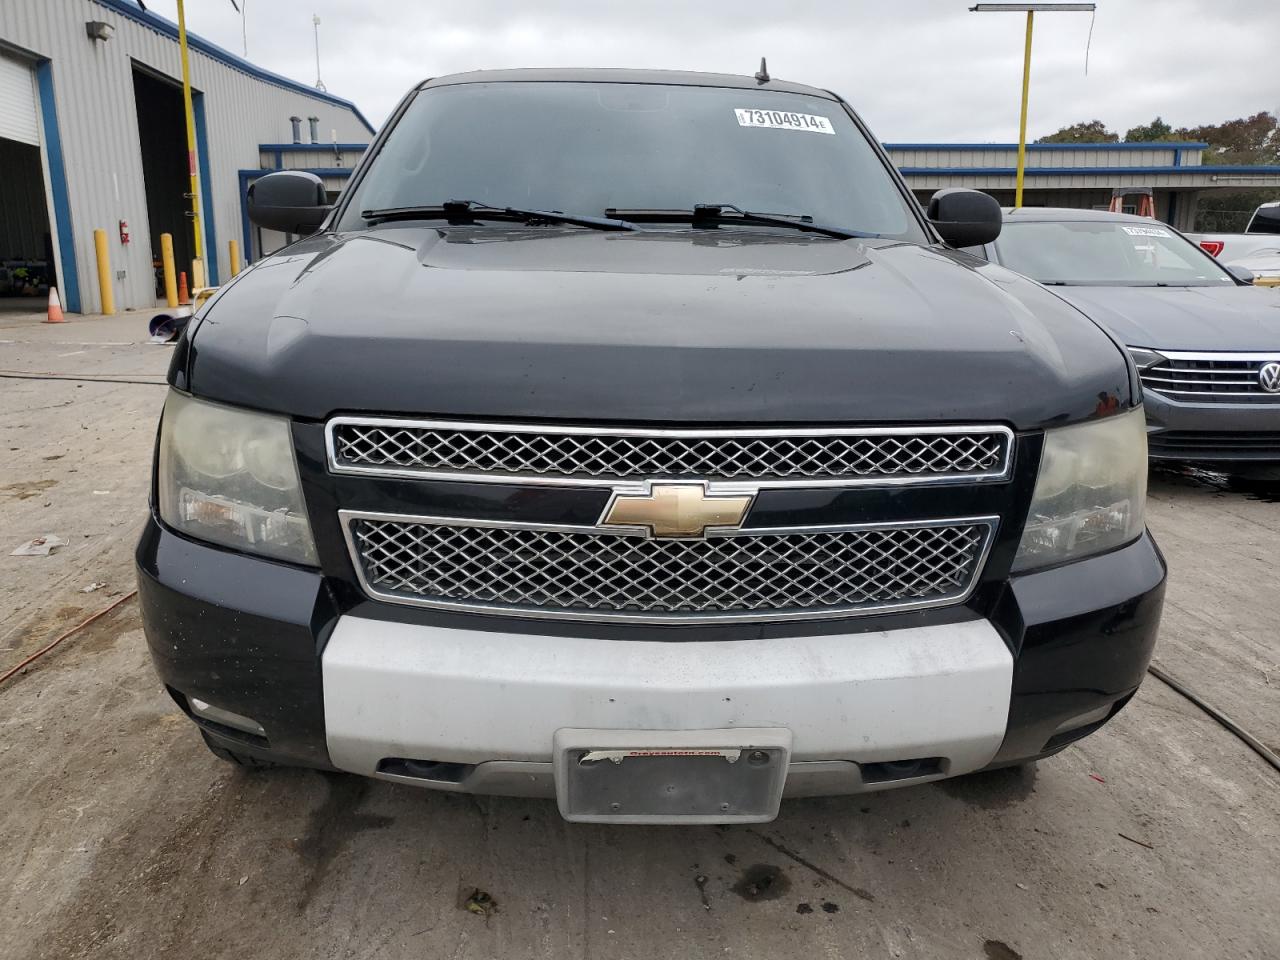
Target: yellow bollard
[197, 274]
[104, 272]
[233, 248]
[170, 271]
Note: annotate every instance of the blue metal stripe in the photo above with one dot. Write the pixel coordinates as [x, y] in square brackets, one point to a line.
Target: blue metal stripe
[246, 228]
[311, 147]
[1085, 171]
[129, 9]
[206, 187]
[1146, 145]
[58, 187]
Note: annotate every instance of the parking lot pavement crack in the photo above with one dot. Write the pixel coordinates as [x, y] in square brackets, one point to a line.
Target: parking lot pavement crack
[807, 864]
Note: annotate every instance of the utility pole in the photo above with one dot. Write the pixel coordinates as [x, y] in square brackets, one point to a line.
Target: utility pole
[315, 21]
[1030, 9]
[197, 264]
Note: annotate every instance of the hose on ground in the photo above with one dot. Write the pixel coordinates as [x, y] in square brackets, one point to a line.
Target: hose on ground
[1248, 739]
[14, 375]
[79, 626]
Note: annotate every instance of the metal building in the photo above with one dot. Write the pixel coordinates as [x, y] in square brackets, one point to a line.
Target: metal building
[1081, 175]
[93, 136]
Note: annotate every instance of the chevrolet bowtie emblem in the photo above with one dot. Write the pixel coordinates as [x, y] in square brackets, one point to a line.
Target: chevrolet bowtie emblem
[676, 510]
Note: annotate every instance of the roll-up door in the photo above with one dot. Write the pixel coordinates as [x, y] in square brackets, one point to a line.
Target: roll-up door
[18, 102]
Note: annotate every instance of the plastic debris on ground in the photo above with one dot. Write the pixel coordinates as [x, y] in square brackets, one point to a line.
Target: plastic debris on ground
[40, 546]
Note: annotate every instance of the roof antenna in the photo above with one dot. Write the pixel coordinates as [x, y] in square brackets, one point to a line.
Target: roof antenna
[762, 75]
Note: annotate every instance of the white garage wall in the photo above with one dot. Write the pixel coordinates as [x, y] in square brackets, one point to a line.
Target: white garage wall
[93, 93]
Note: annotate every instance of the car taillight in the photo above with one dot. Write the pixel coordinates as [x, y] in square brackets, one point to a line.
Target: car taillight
[1212, 247]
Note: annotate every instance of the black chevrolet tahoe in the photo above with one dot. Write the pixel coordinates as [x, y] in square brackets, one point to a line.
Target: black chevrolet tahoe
[635, 439]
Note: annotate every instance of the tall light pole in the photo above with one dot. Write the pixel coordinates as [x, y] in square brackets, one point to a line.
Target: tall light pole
[315, 22]
[1030, 9]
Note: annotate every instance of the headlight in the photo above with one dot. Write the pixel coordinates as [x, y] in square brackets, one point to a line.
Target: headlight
[1091, 491]
[228, 476]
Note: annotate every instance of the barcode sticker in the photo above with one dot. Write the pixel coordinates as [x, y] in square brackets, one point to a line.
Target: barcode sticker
[1146, 232]
[782, 120]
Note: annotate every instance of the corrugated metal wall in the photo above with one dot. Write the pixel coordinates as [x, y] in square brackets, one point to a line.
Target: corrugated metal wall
[1085, 180]
[93, 82]
[1001, 155]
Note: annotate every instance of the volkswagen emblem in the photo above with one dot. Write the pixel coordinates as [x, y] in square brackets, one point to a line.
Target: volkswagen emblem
[1269, 377]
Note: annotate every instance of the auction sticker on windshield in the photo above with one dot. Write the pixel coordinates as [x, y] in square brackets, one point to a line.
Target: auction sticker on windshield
[782, 120]
[1146, 232]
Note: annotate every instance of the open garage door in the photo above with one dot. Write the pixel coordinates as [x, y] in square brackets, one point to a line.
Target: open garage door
[18, 102]
[26, 244]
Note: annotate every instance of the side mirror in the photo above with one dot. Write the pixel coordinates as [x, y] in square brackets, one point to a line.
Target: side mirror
[965, 218]
[290, 201]
[1243, 274]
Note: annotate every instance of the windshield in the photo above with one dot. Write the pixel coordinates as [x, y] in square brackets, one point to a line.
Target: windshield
[1264, 220]
[1106, 253]
[583, 148]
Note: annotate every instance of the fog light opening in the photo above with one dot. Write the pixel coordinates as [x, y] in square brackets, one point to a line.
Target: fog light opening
[1079, 726]
[225, 718]
[891, 770]
[435, 771]
[1083, 719]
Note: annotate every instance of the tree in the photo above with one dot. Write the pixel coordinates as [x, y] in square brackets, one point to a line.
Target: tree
[1244, 141]
[1248, 140]
[1157, 129]
[1089, 131]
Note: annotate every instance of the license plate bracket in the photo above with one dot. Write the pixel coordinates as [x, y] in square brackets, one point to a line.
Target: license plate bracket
[671, 776]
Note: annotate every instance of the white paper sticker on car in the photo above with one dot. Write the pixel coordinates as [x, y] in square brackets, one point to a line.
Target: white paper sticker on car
[782, 120]
[1146, 232]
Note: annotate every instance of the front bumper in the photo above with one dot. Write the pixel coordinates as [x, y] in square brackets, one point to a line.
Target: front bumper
[1211, 432]
[477, 710]
[456, 697]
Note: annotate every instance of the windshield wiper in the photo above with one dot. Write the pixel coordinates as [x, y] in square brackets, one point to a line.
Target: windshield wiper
[464, 209]
[713, 213]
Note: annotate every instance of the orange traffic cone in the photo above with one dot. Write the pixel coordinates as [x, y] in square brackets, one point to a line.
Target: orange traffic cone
[183, 295]
[55, 308]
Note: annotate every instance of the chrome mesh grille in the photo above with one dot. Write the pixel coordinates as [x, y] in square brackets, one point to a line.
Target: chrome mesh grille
[593, 575]
[493, 452]
[1212, 381]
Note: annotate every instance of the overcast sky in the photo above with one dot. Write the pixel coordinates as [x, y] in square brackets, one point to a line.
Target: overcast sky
[917, 70]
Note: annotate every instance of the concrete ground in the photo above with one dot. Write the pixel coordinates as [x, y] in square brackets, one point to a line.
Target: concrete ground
[123, 837]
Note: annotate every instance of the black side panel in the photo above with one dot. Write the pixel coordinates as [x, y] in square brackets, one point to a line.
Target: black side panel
[1086, 635]
[242, 633]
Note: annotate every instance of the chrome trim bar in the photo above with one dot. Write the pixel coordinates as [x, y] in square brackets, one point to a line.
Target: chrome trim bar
[1256, 394]
[348, 517]
[1264, 356]
[1174, 381]
[723, 486]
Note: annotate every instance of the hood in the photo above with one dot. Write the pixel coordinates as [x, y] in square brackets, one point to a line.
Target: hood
[1184, 318]
[724, 326]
